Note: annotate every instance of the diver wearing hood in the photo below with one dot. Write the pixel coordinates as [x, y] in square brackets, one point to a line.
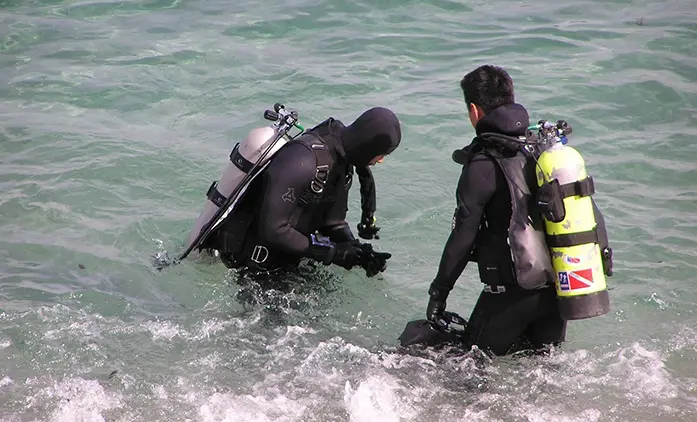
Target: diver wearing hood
[301, 205]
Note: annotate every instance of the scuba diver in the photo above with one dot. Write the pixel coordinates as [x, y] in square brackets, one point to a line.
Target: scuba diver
[525, 215]
[284, 199]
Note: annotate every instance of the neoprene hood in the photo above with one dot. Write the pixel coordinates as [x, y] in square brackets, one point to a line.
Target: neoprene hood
[376, 132]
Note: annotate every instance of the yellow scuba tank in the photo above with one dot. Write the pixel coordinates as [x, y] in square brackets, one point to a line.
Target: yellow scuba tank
[564, 199]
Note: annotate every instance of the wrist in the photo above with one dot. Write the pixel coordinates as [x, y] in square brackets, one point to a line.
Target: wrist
[322, 249]
[341, 233]
[368, 218]
[437, 293]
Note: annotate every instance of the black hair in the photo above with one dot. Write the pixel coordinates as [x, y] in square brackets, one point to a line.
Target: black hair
[489, 87]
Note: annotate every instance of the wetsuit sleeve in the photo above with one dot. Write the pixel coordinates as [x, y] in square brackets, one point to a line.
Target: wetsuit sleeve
[287, 177]
[367, 182]
[476, 185]
[335, 225]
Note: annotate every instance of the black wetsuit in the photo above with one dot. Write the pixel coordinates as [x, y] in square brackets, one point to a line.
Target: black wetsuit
[480, 227]
[290, 174]
[368, 194]
[285, 215]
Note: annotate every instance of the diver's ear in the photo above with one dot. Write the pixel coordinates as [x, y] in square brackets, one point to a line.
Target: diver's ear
[377, 160]
[475, 113]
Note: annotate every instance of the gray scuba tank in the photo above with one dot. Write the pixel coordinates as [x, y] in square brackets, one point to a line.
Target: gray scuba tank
[248, 159]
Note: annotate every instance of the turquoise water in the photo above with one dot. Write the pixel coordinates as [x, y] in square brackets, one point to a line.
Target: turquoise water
[116, 116]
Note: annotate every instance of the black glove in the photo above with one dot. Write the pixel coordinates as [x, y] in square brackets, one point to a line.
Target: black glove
[347, 254]
[367, 228]
[435, 311]
[371, 261]
[344, 254]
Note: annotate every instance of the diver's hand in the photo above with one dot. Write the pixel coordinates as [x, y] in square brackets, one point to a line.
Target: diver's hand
[343, 254]
[371, 261]
[347, 254]
[435, 311]
[367, 228]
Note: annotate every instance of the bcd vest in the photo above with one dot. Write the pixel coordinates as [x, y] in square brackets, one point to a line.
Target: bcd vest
[233, 238]
[531, 263]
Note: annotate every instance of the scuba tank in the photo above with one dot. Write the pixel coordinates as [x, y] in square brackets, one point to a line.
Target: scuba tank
[248, 159]
[564, 200]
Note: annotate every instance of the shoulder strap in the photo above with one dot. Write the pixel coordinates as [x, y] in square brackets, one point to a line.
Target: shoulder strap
[323, 167]
[324, 164]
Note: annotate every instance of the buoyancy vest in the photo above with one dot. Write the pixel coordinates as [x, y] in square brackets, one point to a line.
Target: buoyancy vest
[531, 261]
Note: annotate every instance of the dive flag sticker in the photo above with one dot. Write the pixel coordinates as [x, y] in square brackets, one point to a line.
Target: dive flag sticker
[575, 280]
[572, 259]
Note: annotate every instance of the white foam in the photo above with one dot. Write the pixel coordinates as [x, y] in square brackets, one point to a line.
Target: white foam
[210, 361]
[285, 374]
[163, 330]
[537, 414]
[378, 398]
[81, 400]
[160, 392]
[5, 343]
[642, 373]
[210, 327]
[229, 408]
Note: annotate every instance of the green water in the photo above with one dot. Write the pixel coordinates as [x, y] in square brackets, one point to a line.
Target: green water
[116, 116]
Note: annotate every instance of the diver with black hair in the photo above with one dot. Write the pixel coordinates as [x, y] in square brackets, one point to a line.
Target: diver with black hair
[529, 293]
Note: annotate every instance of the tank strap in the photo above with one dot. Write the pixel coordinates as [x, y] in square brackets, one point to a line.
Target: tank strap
[215, 196]
[239, 161]
[584, 187]
[573, 239]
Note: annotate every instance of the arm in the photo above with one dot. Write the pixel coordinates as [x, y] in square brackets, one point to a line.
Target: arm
[335, 225]
[286, 178]
[476, 185]
[368, 200]
[367, 228]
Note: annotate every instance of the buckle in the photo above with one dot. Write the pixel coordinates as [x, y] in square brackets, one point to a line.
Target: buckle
[316, 187]
[260, 254]
[494, 289]
[321, 173]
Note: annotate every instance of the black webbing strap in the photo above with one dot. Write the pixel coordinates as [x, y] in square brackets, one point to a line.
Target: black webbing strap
[216, 197]
[239, 161]
[573, 239]
[584, 187]
[324, 162]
